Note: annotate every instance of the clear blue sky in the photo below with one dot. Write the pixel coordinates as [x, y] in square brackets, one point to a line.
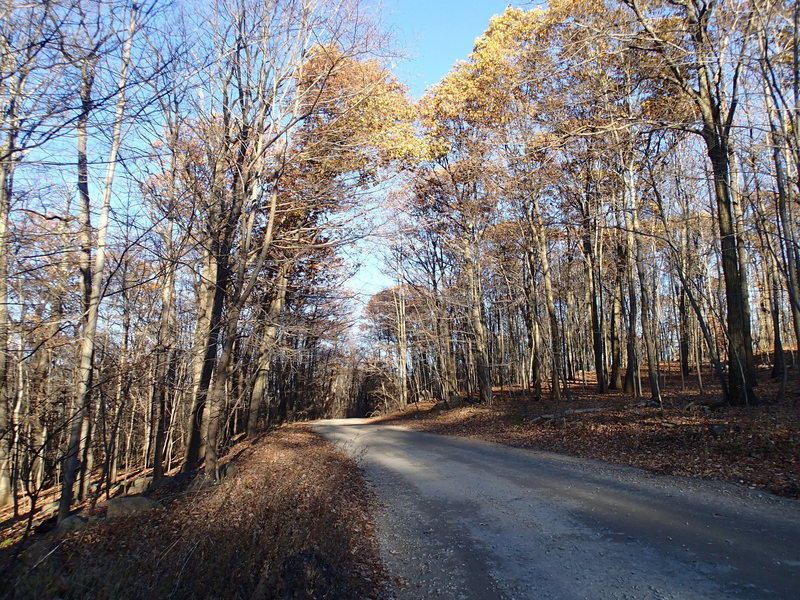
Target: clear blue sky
[435, 34]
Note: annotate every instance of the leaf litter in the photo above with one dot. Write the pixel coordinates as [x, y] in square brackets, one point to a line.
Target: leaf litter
[295, 522]
[693, 436]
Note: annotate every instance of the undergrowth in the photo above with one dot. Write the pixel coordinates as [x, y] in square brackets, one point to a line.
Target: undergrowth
[294, 523]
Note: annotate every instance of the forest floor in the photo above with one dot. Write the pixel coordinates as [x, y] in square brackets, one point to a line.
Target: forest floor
[758, 446]
[294, 522]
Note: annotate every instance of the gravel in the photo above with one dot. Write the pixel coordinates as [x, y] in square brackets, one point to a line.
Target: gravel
[463, 519]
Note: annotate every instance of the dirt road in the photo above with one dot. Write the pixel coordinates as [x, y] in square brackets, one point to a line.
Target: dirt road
[466, 519]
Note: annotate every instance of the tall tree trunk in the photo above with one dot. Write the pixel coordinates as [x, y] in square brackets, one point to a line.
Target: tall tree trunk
[615, 379]
[213, 283]
[592, 290]
[773, 291]
[648, 333]
[684, 325]
[447, 361]
[6, 170]
[536, 222]
[164, 372]
[631, 385]
[532, 361]
[267, 347]
[402, 343]
[647, 325]
[741, 369]
[83, 390]
[483, 370]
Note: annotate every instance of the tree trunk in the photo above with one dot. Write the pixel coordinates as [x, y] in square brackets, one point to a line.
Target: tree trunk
[84, 384]
[6, 483]
[592, 290]
[615, 379]
[164, 355]
[212, 294]
[447, 363]
[741, 369]
[632, 359]
[483, 370]
[556, 372]
[267, 348]
[647, 325]
[402, 344]
[773, 291]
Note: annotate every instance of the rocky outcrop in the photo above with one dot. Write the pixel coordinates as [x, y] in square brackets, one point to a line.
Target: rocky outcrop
[128, 505]
[228, 471]
[68, 525]
[42, 551]
[139, 485]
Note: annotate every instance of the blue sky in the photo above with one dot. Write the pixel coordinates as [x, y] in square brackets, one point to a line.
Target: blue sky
[435, 34]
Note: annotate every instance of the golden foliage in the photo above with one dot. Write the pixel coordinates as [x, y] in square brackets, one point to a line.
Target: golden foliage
[359, 116]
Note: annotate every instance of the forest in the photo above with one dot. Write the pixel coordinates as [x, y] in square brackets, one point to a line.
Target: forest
[602, 188]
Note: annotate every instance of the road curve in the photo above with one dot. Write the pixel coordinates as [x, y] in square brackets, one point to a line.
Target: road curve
[466, 519]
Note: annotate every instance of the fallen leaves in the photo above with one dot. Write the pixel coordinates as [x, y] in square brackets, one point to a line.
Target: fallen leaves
[295, 521]
[757, 446]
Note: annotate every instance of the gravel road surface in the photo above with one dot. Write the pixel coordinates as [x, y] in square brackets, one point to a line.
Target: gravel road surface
[466, 519]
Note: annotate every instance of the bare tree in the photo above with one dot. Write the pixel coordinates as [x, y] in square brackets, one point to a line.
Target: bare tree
[93, 276]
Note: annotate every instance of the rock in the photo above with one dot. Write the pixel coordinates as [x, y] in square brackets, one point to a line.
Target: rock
[201, 482]
[163, 482]
[581, 411]
[68, 525]
[649, 404]
[717, 430]
[129, 505]
[228, 471]
[50, 507]
[559, 418]
[707, 407]
[41, 551]
[456, 402]
[140, 485]
[94, 518]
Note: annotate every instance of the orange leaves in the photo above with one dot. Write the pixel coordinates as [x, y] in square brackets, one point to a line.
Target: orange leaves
[358, 113]
[480, 96]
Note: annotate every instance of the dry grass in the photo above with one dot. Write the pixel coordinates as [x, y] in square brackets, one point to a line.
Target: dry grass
[294, 523]
[757, 446]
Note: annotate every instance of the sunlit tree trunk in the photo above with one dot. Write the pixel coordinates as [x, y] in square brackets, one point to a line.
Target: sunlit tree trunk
[713, 89]
[83, 389]
[6, 170]
[212, 288]
[402, 342]
[615, 378]
[483, 370]
[537, 225]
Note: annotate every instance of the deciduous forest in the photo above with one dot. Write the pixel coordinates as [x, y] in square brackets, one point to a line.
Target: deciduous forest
[604, 193]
